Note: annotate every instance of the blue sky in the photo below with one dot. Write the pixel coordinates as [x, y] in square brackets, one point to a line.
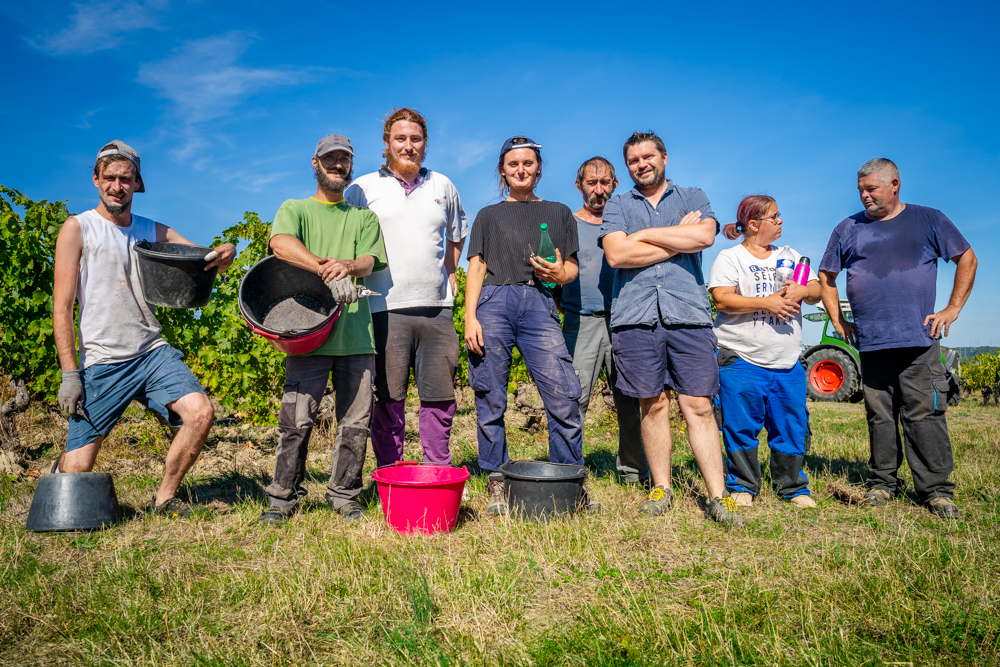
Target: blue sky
[225, 102]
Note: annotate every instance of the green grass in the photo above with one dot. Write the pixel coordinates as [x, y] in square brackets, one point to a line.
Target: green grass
[835, 586]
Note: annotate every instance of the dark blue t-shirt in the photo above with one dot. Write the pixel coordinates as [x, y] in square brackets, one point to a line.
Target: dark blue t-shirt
[892, 272]
[591, 292]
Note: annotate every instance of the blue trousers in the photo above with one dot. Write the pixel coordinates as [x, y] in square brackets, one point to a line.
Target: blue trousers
[753, 397]
[525, 316]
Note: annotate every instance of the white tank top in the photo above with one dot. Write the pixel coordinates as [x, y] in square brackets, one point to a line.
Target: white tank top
[116, 323]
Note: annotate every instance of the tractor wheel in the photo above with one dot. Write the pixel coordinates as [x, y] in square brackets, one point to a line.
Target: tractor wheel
[831, 375]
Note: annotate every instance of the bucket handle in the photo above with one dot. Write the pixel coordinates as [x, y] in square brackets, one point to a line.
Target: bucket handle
[405, 463]
[261, 332]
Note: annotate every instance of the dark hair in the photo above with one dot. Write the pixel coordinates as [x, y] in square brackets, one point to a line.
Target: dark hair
[594, 162]
[504, 188]
[406, 114]
[103, 162]
[752, 207]
[639, 137]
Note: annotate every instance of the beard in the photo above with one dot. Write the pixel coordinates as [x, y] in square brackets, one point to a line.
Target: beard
[651, 179]
[405, 168]
[595, 202]
[336, 180]
[115, 208]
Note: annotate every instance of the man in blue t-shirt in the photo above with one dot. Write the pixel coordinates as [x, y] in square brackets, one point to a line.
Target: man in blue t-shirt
[890, 251]
[587, 317]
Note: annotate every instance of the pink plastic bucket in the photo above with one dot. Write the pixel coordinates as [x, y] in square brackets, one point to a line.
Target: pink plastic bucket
[420, 499]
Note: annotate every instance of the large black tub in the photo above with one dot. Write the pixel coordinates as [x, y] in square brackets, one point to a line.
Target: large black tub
[73, 501]
[291, 307]
[539, 491]
[173, 274]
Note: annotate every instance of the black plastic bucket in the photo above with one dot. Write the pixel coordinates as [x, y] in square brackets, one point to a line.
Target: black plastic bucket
[271, 281]
[537, 490]
[173, 274]
[73, 501]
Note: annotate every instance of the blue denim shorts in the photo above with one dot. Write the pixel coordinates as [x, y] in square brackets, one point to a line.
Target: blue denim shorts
[155, 379]
[678, 357]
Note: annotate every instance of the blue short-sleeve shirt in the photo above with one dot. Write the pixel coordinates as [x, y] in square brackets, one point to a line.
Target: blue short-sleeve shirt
[672, 291]
[892, 272]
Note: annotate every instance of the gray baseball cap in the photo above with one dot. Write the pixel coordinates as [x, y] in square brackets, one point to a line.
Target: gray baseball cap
[334, 142]
[126, 151]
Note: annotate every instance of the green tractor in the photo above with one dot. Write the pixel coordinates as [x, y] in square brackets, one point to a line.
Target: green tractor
[833, 367]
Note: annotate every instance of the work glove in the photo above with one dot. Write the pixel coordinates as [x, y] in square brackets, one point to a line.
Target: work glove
[71, 394]
[344, 291]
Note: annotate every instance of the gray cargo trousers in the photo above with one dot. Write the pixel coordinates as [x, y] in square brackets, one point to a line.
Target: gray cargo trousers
[908, 387]
[588, 339]
[305, 382]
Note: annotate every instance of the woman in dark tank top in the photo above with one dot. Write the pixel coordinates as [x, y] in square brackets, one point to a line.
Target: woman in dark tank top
[506, 304]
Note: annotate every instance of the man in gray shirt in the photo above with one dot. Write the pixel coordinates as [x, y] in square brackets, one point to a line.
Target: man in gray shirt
[661, 321]
[587, 318]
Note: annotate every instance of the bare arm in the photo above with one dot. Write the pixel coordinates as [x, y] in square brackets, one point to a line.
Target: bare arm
[559, 272]
[965, 276]
[226, 251]
[692, 234]
[69, 250]
[831, 301]
[728, 301]
[473, 287]
[452, 255]
[809, 293]
[624, 252]
[289, 249]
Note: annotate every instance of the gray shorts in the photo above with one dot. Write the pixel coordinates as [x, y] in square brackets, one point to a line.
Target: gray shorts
[420, 338]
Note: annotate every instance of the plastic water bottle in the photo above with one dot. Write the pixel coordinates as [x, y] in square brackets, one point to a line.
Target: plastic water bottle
[546, 251]
[784, 267]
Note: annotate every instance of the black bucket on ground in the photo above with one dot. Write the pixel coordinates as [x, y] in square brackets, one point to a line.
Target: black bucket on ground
[539, 491]
[270, 283]
[173, 275]
[73, 501]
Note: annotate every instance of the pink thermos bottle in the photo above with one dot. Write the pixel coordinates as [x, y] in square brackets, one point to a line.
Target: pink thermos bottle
[801, 275]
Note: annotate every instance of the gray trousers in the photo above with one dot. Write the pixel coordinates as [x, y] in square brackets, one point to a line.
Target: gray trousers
[305, 382]
[908, 387]
[588, 338]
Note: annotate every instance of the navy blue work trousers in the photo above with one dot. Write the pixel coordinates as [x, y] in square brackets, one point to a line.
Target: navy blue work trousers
[525, 316]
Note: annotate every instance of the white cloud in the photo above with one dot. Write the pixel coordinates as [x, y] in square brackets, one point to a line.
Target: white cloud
[99, 25]
[470, 152]
[204, 81]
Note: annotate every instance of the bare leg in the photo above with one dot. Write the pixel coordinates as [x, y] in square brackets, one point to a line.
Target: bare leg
[81, 459]
[655, 426]
[197, 413]
[703, 434]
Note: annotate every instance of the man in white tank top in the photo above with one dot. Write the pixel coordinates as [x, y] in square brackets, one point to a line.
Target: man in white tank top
[122, 355]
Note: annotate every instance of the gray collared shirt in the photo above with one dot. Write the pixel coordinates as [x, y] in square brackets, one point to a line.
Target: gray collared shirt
[672, 291]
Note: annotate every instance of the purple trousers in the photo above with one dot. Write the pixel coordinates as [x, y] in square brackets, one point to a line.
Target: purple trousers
[389, 430]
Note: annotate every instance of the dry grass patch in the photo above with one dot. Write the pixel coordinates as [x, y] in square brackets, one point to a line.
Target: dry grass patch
[840, 585]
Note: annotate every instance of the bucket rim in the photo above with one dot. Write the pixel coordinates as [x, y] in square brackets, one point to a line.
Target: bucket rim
[581, 472]
[283, 335]
[142, 248]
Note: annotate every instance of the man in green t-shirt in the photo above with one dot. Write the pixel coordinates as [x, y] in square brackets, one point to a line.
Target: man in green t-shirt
[342, 243]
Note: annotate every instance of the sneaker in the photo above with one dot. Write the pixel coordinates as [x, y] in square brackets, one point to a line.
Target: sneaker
[943, 507]
[351, 511]
[743, 499]
[587, 504]
[276, 515]
[174, 508]
[497, 503]
[877, 497]
[804, 501]
[660, 500]
[723, 511]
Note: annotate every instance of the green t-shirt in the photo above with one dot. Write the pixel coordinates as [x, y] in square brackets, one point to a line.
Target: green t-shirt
[343, 232]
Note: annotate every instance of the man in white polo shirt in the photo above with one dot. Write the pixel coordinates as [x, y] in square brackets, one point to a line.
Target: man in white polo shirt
[424, 229]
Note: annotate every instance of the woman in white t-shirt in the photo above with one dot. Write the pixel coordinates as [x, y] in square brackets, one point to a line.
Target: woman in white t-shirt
[762, 383]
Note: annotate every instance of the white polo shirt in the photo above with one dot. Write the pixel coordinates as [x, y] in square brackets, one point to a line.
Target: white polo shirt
[415, 228]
